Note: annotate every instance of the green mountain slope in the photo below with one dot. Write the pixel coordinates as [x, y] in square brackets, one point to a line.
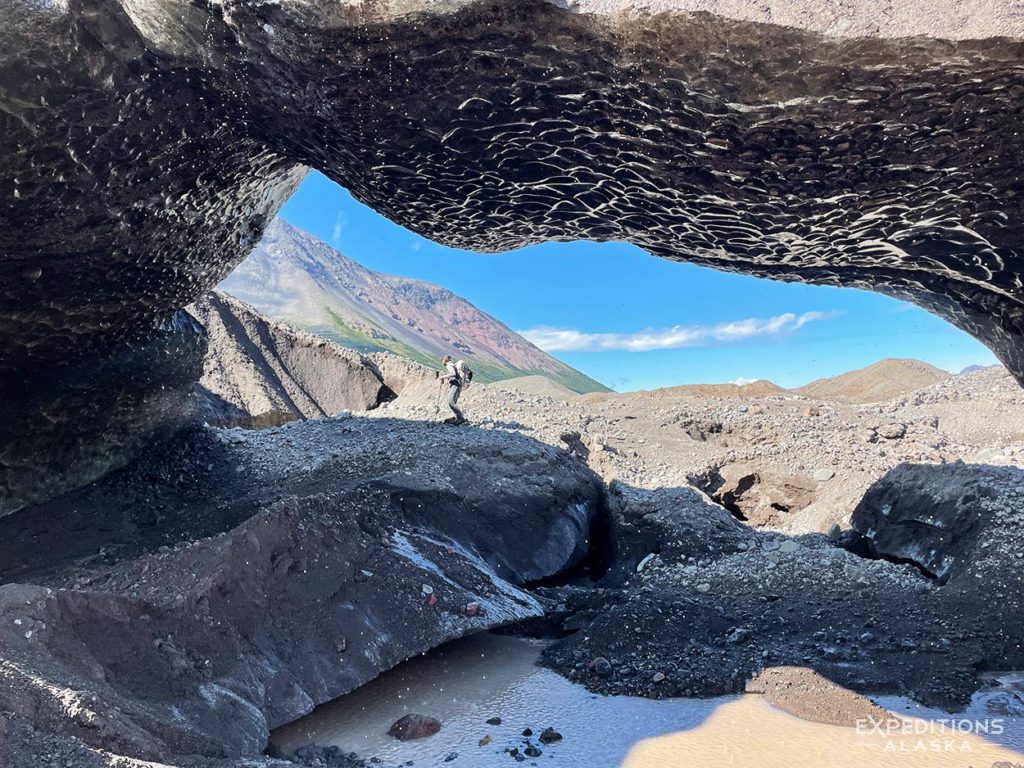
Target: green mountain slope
[296, 278]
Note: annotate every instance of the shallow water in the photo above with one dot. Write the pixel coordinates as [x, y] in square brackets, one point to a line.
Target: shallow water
[466, 682]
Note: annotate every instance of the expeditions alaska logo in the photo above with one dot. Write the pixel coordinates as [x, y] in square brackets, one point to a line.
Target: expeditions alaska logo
[939, 735]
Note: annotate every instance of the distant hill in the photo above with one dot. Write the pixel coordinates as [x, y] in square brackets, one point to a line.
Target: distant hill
[535, 385]
[880, 381]
[976, 368]
[296, 278]
[883, 380]
[759, 388]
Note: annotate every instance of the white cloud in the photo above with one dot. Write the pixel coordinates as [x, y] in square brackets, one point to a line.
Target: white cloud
[741, 381]
[677, 337]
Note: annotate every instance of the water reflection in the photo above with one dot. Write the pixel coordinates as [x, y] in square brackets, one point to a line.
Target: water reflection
[470, 681]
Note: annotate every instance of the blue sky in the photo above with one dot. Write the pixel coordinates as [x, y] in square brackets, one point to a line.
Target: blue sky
[636, 322]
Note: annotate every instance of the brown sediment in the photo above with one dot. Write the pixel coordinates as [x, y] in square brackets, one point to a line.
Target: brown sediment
[811, 696]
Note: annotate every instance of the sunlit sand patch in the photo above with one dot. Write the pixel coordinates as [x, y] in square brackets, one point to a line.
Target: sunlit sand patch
[748, 730]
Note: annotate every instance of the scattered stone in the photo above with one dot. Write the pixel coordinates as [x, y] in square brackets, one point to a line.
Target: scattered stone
[549, 736]
[658, 677]
[414, 726]
[484, 741]
[317, 756]
[739, 636]
[643, 563]
[892, 431]
[790, 546]
[600, 667]
[494, 721]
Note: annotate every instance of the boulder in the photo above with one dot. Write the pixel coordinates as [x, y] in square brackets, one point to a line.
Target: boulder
[892, 431]
[409, 727]
[938, 516]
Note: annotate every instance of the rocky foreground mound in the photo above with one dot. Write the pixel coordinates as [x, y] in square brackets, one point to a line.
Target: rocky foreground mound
[229, 581]
[713, 602]
[749, 533]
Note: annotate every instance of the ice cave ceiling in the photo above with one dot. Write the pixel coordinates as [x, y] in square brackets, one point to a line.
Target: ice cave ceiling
[144, 144]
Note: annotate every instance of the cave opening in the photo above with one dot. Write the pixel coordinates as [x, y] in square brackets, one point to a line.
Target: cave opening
[600, 552]
[863, 546]
[672, 323]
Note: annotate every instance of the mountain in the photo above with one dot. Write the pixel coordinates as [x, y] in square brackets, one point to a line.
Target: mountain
[975, 369]
[880, 381]
[296, 278]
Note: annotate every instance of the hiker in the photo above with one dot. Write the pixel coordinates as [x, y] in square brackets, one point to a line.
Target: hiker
[458, 375]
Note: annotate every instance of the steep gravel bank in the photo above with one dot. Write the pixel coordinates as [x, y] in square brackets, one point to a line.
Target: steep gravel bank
[258, 372]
